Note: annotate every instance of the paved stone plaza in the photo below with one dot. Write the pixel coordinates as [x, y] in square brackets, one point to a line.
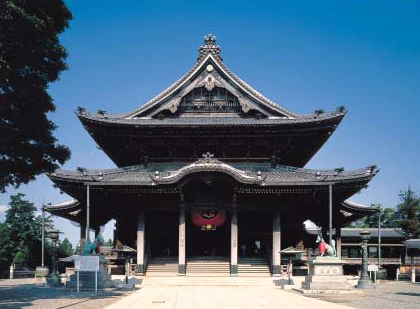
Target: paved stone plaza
[398, 295]
[24, 293]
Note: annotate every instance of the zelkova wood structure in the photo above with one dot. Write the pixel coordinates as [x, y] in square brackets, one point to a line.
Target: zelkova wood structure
[211, 167]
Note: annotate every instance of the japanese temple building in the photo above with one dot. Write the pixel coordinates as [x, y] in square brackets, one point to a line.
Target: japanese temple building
[211, 168]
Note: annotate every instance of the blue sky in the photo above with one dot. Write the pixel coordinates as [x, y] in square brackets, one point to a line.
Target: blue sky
[304, 55]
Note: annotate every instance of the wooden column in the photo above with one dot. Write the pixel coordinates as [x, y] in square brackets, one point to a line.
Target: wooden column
[330, 211]
[140, 242]
[97, 231]
[82, 236]
[234, 243]
[181, 243]
[338, 237]
[276, 262]
[88, 213]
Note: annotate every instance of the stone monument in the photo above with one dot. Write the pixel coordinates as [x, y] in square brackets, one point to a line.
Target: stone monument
[87, 278]
[325, 273]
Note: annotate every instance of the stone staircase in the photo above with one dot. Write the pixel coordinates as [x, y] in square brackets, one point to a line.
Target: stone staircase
[209, 281]
[253, 267]
[162, 267]
[208, 267]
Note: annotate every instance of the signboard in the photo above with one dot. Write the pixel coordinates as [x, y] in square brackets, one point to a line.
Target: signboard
[86, 263]
[373, 267]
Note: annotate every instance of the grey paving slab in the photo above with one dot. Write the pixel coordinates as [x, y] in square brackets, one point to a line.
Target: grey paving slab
[214, 297]
[393, 295]
[26, 294]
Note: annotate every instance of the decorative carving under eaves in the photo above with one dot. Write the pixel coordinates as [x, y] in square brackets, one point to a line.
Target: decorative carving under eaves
[208, 164]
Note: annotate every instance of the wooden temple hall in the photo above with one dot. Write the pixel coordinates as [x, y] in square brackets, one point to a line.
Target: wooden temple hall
[210, 169]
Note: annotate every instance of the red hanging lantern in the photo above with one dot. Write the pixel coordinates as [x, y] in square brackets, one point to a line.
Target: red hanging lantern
[209, 219]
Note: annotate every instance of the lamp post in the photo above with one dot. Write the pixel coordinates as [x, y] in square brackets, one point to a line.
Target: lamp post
[364, 281]
[378, 206]
[54, 279]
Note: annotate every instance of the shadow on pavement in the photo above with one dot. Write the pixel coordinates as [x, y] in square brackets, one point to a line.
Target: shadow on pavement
[24, 294]
[408, 294]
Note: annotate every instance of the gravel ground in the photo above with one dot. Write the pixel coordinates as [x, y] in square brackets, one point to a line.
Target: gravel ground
[26, 294]
[391, 295]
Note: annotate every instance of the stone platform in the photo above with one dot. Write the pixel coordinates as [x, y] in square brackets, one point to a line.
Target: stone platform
[87, 278]
[326, 277]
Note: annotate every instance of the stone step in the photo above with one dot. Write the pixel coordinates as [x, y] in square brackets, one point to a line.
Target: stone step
[209, 281]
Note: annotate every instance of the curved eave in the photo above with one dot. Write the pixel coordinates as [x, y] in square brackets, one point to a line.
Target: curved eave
[70, 210]
[131, 176]
[307, 121]
[357, 208]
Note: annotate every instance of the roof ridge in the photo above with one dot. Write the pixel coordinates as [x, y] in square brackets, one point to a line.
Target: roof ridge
[211, 50]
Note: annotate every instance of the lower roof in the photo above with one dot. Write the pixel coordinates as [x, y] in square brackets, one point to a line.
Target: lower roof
[262, 174]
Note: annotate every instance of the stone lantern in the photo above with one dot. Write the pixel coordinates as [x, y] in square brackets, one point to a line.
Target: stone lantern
[54, 279]
[364, 281]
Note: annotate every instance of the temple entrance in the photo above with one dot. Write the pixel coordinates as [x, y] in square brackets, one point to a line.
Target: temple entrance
[211, 242]
[255, 234]
[162, 234]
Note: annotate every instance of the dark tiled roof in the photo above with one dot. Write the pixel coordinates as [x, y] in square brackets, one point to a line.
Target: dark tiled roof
[210, 121]
[199, 64]
[385, 232]
[263, 174]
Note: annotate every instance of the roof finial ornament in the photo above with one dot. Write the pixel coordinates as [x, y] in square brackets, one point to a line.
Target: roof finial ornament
[210, 39]
[209, 47]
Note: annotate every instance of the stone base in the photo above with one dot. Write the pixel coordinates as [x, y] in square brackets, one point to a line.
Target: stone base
[140, 269]
[325, 274]
[326, 286]
[87, 281]
[365, 284]
[327, 292]
[276, 270]
[182, 270]
[54, 281]
[233, 270]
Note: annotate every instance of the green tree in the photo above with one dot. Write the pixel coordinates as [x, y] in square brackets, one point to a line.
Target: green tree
[389, 219]
[5, 248]
[31, 57]
[409, 213]
[65, 248]
[24, 231]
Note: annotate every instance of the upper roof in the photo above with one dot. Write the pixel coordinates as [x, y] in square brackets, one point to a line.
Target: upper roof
[210, 73]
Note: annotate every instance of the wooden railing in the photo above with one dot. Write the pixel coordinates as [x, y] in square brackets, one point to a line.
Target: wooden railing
[358, 261]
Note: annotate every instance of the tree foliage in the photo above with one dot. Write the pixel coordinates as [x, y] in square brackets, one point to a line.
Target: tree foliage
[409, 213]
[24, 231]
[65, 248]
[406, 215]
[31, 57]
[21, 236]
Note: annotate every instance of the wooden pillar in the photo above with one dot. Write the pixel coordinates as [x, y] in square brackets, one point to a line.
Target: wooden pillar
[330, 211]
[338, 237]
[97, 231]
[82, 236]
[118, 233]
[140, 242]
[276, 262]
[234, 243]
[88, 213]
[181, 243]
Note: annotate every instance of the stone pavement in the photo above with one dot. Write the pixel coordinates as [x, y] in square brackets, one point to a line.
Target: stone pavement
[391, 295]
[26, 294]
[214, 297]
